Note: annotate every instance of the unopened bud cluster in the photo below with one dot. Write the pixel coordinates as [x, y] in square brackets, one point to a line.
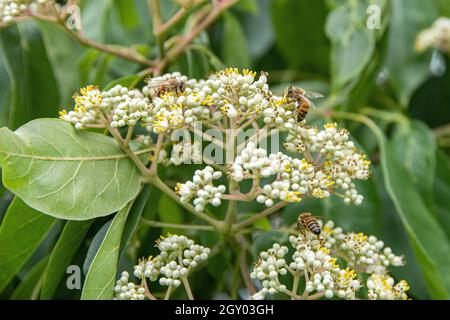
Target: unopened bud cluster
[13, 8]
[436, 37]
[316, 259]
[125, 290]
[202, 189]
[178, 256]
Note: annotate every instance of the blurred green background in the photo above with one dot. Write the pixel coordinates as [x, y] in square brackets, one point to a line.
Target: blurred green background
[320, 45]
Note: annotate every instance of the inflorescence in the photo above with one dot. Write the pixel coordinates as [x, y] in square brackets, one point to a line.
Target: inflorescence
[326, 161]
[177, 258]
[9, 9]
[319, 261]
[436, 37]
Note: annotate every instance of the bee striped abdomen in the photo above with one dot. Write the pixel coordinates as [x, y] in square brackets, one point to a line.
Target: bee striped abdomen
[308, 222]
[302, 111]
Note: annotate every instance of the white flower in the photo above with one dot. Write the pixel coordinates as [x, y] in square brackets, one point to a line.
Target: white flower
[202, 189]
[125, 290]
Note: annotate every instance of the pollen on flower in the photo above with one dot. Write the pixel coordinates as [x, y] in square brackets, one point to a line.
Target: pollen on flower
[316, 259]
[178, 256]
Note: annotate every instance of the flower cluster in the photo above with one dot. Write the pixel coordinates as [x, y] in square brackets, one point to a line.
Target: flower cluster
[125, 290]
[13, 8]
[316, 259]
[296, 179]
[270, 265]
[363, 252]
[383, 287]
[178, 256]
[88, 108]
[437, 36]
[173, 101]
[329, 162]
[202, 188]
[186, 153]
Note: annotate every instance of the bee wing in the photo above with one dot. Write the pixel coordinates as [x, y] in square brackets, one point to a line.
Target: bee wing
[157, 83]
[313, 95]
[311, 104]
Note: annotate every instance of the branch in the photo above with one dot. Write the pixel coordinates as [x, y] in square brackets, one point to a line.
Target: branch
[158, 224]
[239, 226]
[215, 12]
[119, 51]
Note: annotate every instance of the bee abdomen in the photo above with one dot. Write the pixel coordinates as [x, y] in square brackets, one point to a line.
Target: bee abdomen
[315, 228]
[301, 115]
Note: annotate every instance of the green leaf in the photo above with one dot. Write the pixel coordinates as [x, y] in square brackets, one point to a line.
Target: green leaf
[29, 287]
[169, 212]
[303, 50]
[21, 232]
[62, 254]
[34, 90]
[100, 278]
[95, 245]
[127, 12]
[127, 81]
[427, 237]
[416, 145]
[62, 52]
[259, 29]
[408, 69]
[352, 42]
[65, 173]
[234, 43]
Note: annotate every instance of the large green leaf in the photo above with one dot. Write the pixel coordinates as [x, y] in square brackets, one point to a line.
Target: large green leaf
[352, 42]
[100, 278]
[21, 232]
[407, 69]
[63, 253]
[427, 237]
[303, 50]
[65, 173]
[34, 90]
[30, 286]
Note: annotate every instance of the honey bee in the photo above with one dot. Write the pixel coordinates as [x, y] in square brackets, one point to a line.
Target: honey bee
[163, 86]
[302, 98]
[307, 222]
